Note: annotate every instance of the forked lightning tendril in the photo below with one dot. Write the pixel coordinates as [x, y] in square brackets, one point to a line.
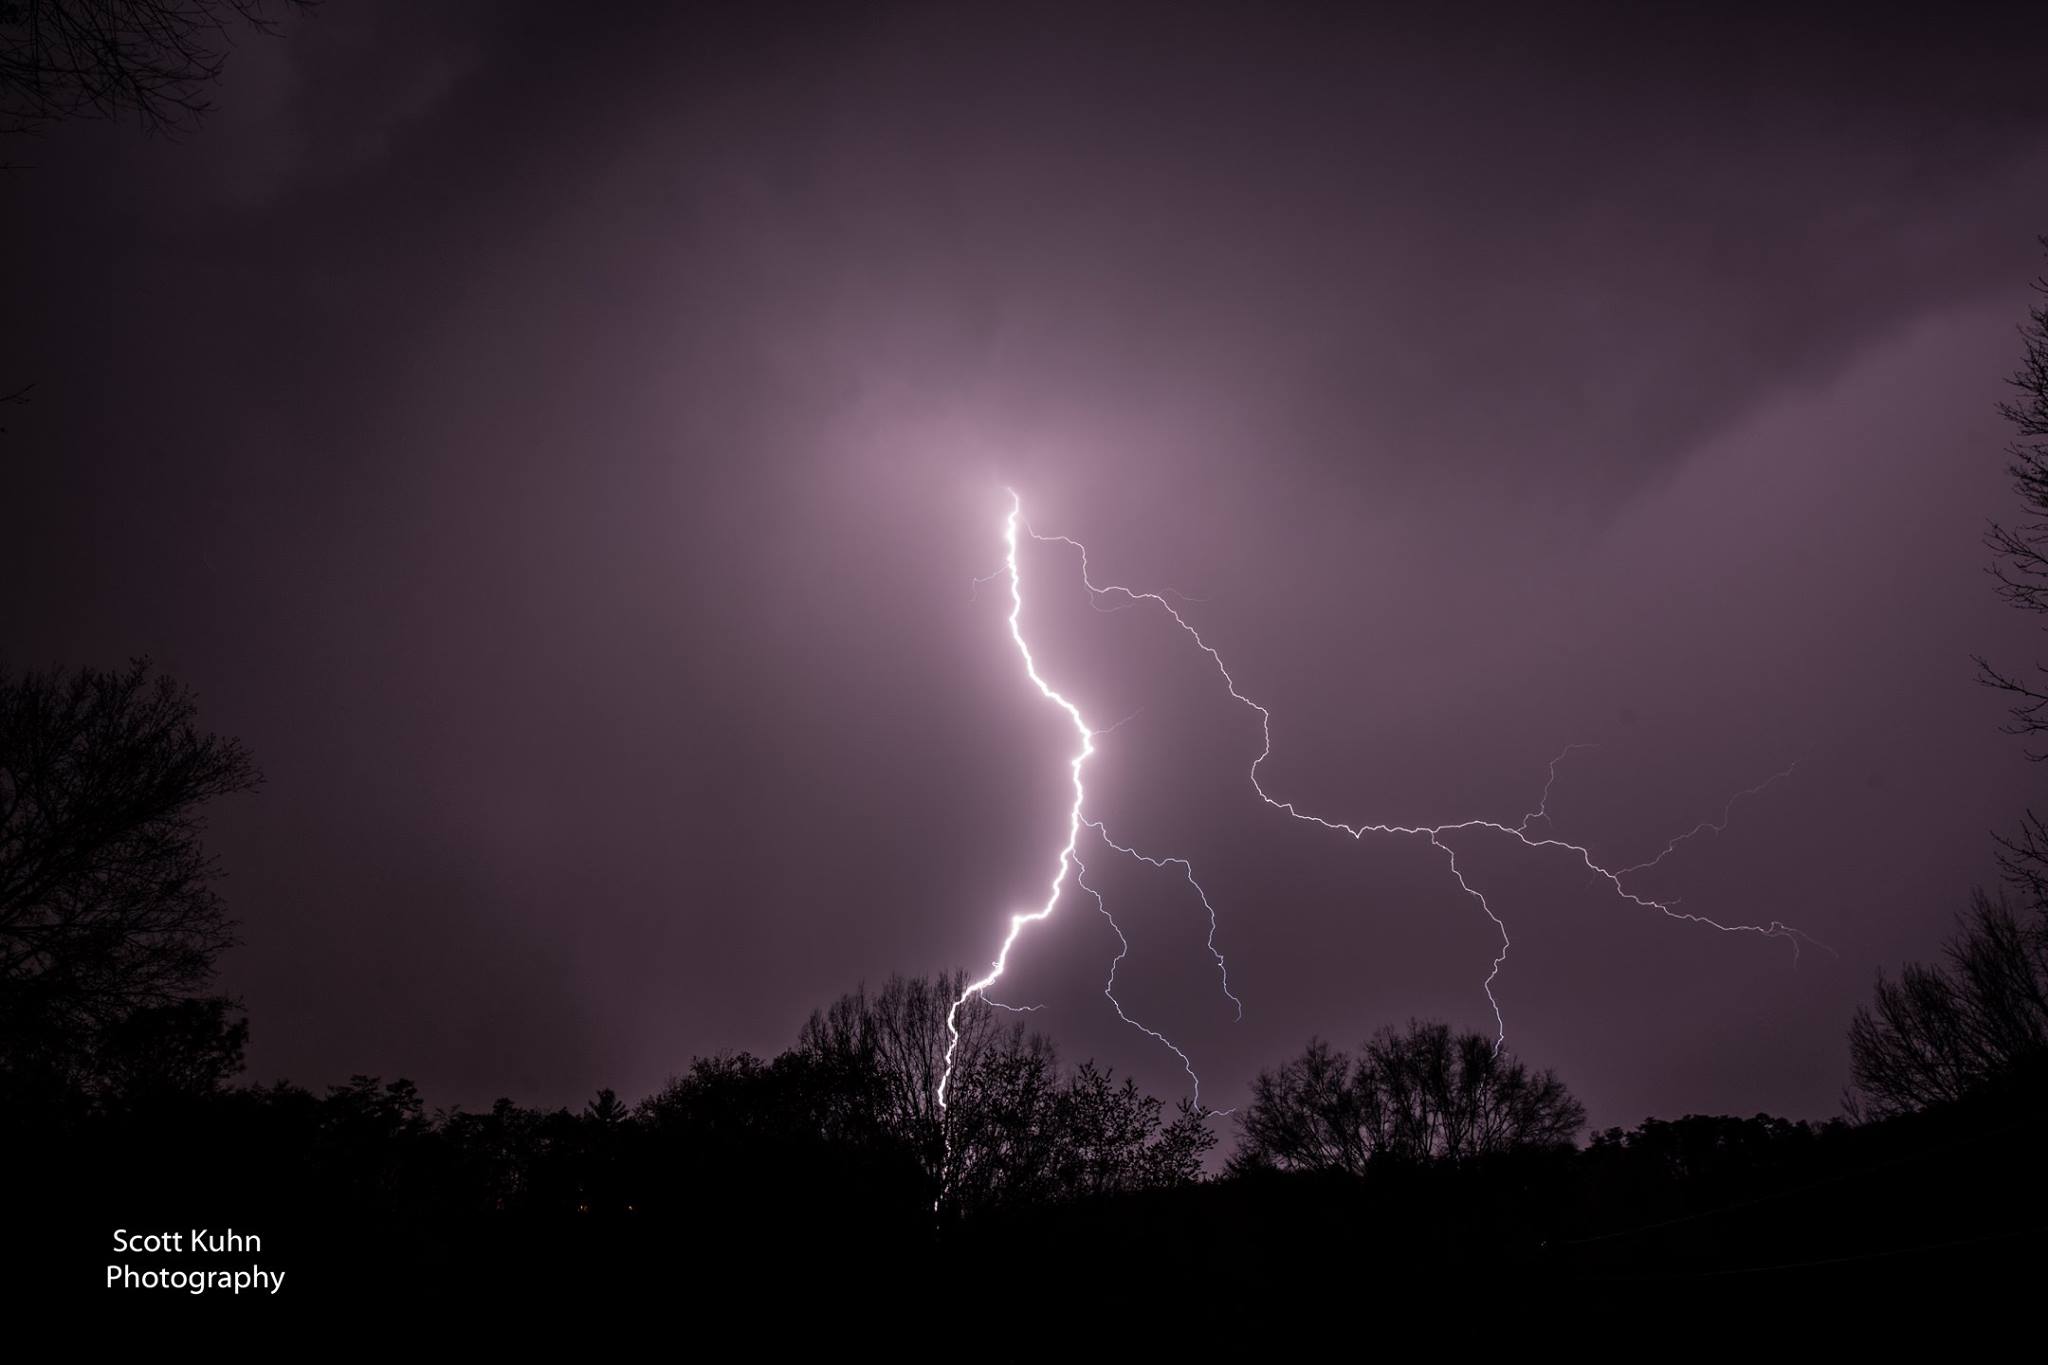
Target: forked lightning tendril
[1070, 863]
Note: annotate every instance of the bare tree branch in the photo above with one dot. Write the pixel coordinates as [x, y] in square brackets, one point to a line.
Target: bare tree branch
[1937, 1034]
[1419, 1094]
[154, 59]
[107, 906]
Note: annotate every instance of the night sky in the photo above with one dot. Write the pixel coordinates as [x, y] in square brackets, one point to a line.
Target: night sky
[563, 451]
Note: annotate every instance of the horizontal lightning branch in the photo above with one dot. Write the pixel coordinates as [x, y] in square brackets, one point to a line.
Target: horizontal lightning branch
[1112, 596]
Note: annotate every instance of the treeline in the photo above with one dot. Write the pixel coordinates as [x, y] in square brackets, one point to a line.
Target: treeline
[838, 1136]
[1424, 1157]
[1423, 1154]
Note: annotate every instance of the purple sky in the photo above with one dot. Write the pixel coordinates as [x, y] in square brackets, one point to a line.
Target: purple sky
[564, 455]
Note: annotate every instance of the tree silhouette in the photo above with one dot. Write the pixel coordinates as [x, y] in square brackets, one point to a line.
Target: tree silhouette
[1940, 1033]
[1111, 1140]
[1416, 1094]
[608, 1111]
[1014, 1130]
[499, 1152]
[154, 59]
[2020, 564]
[879, 1057]
[107, 904]
[186, 1048]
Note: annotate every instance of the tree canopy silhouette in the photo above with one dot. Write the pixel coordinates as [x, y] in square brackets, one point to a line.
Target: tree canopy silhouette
[884, 1053]
[1940, 1033]
[1416, 1094]
[108, 915]
[1015, 1129]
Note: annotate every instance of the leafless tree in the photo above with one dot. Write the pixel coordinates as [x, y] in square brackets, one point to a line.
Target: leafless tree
[887, 1052]
[1939, 1033]
[107, 904]
[1421, 1093]
[1111, 1139]
[1014, 1129]
[2020, 564]
[152, 59]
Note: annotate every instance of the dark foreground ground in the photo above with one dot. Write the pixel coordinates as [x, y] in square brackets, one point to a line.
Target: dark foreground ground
[1916, 1210]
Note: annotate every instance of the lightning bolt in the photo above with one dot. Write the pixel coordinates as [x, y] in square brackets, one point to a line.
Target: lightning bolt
[1069, 860]
[1114, 596]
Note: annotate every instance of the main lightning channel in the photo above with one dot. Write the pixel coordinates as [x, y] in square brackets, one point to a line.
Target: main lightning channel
[1074, 766]
[1069, 856]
